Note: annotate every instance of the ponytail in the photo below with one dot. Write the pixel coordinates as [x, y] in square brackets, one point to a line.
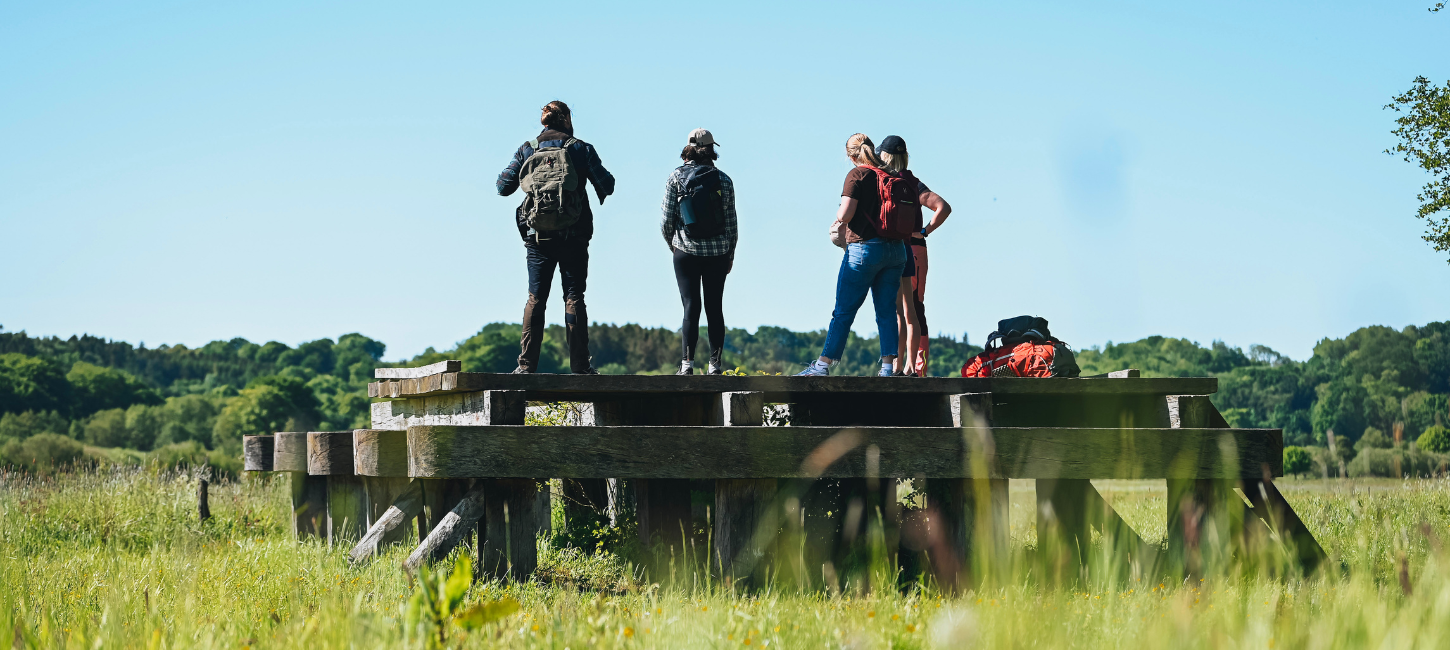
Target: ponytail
[860, 149]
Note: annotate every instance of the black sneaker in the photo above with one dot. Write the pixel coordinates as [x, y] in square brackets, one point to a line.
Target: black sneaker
[522, 370]
[587, 371]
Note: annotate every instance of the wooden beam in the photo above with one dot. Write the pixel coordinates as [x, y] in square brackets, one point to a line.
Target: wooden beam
[392, 523]
[378, 452]
[257, 453]
[593, 388]
[768, 452]
[420, 371]
[330, 453]
[449, 531]
[289, 451]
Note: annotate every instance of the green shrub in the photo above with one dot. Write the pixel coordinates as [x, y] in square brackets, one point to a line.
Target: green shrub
[41, 453]
[1373, 438]
[1412, 462]
[1297, 461]
[192, 454]
[1435, 439]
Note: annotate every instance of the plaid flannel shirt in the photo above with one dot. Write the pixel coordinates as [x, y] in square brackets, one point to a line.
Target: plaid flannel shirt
[672, 226]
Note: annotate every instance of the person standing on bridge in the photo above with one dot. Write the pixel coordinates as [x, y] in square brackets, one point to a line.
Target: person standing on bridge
[874, 259]
[699, 227]
[911, 308]
[556, 223]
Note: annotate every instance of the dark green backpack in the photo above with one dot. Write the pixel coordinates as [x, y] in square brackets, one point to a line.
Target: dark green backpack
[702, 203]
[550, 183]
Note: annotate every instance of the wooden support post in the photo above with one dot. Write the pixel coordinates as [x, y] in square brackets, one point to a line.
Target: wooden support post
[450, 529]
[662, 505]
[972, 514]
[507, 544]
[585, 501]
[1198, 527]
[391, 524]
[329, 453]
[309, 493]
[745, 521]
[203, 509]
[1269, 503]
[380, 457]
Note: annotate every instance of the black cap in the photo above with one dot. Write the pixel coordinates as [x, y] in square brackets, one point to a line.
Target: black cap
[893, 144]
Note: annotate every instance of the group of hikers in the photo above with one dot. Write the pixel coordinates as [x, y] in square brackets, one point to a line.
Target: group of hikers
[879, 224]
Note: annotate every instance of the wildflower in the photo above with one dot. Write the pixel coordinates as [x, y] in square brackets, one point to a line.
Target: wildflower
[629, 631]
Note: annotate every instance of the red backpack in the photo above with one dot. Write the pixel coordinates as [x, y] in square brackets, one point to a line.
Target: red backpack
[900, 204]
[1026, 349]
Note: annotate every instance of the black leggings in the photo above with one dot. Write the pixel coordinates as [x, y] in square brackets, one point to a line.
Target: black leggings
[691, 273]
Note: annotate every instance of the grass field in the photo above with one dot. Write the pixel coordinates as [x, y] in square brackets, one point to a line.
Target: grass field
[116, 558]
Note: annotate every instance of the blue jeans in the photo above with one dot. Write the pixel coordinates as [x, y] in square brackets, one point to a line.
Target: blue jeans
[873, 265]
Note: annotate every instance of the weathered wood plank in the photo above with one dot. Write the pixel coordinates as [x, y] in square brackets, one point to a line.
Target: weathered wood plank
[420, 371]
[593, 388]
[258, 453]
[449, 531]
[289, 451]
[447, 409]
[382, 492]
[379, 452]
[769, 452]
[391, 524]
[329, 453]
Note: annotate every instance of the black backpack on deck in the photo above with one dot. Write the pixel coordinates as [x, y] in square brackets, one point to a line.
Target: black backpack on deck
[702, 204]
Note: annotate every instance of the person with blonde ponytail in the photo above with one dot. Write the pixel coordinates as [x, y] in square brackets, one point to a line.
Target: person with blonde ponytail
[872, 263]
[912, 349]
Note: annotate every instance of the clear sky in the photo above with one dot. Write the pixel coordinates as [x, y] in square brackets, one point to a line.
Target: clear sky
[179, 172]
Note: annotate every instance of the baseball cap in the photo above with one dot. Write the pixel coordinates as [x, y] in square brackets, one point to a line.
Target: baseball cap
[892, 144]
[702, 137]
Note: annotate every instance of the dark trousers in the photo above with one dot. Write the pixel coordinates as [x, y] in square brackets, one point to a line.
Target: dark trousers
[571, 256]
[693, 273]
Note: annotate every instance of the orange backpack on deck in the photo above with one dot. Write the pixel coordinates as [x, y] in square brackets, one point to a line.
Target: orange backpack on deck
[1023, 348]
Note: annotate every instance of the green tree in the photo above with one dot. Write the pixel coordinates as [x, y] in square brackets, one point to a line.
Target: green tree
[267, 405]
[19, 426]
[41, 453]
[106, 429]
[1297, 460]
[32, 384]
[1423, 129]
[96, 389]
[1435, 439]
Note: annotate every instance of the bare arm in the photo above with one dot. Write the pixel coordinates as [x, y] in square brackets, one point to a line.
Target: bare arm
[847, 209]
[936, 204]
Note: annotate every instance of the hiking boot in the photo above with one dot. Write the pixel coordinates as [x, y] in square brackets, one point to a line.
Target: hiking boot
[522, 370]
[587, 371]
[715, 369]
[816, 369]
[686, 368]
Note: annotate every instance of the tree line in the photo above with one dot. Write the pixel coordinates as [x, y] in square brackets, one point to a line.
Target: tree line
[1372, 389]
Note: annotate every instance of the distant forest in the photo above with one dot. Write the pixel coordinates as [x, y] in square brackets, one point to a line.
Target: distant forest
[59, 394]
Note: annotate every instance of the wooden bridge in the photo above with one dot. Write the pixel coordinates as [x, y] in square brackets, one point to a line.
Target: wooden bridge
[451, 450]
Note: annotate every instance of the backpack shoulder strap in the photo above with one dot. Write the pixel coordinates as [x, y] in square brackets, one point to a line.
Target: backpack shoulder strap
[533, 144]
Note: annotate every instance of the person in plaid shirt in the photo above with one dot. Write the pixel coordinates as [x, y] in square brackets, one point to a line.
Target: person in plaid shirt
[700, 263]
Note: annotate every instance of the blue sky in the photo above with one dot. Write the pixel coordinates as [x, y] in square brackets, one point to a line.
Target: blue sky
[182, 172]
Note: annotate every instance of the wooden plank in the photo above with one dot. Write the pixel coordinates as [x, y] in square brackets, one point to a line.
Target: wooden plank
[257, 453]
[446, 409]
[973, 514]
[329, 453]
[420, 371]
[380, 453]
[591, 388]
[289, 451]
[768, 452]
[449, 531]
[390, 526]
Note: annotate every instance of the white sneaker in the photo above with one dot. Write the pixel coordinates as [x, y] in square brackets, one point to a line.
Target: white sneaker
[886, 371]
[816, 369]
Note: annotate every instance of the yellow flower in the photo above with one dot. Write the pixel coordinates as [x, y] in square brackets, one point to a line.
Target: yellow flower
[629, 631]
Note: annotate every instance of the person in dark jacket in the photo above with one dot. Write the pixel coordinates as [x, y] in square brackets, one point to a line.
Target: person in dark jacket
[567, 249]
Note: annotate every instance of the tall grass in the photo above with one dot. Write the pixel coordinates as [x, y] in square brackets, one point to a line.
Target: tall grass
[117, 558]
